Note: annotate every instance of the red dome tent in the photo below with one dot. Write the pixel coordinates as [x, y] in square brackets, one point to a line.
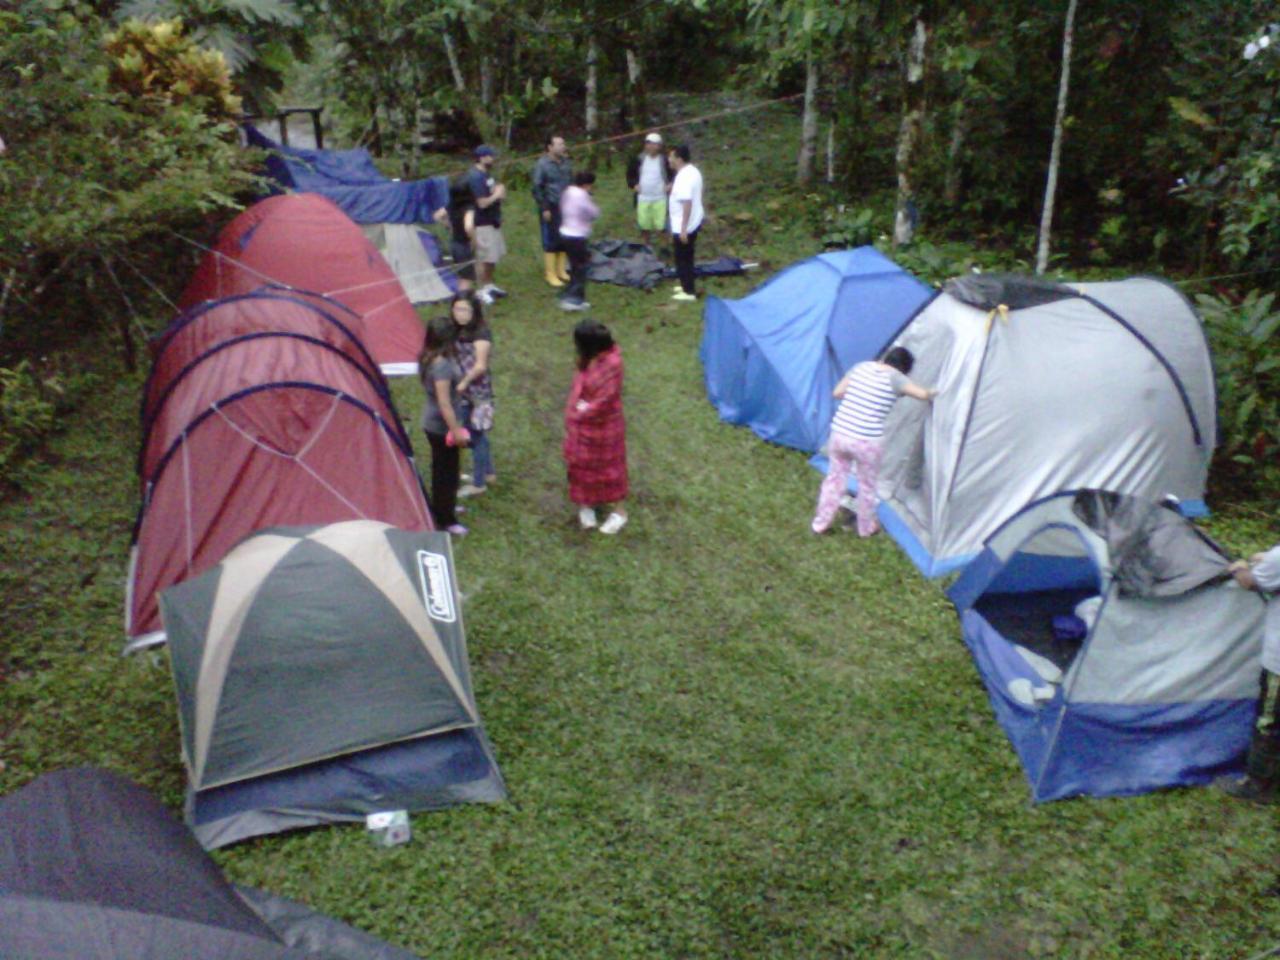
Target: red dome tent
[303, 241]
[257, 417]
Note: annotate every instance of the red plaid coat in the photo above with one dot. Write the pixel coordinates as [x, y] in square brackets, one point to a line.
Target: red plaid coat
[595, 437]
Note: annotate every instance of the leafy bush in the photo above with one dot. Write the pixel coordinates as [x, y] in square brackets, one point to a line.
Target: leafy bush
[1245, 338]
[27, 411]
[95, 171]
[157, 62]
[848, 228]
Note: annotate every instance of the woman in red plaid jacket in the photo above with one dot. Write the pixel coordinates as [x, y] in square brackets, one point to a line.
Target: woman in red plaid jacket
[595, 432]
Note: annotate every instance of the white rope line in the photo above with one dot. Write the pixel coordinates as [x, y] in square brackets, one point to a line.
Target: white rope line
[186, 494]
[333, 408]
[141, 276]
[397, 457]
[231, 260]
[294, 459]
[328, 293]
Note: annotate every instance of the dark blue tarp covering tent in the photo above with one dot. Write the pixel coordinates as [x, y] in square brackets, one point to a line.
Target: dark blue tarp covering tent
[351, 180]
[772, 358]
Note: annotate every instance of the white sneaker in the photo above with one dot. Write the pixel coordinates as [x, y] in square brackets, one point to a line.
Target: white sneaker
[470, 490]
[587, 517]
[684, 297]
[496, 291]
[485, 297]
[615, 523]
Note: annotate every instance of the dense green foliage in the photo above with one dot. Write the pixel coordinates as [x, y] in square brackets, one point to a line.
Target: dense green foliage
[724, 738]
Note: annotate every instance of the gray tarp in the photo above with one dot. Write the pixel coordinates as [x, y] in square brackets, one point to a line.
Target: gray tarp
[92, 867]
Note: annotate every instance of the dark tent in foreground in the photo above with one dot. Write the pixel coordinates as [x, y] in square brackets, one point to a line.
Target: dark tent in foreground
[92, 867]
[322, 675]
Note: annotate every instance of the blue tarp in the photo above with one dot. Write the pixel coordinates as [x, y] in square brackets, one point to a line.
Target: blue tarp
[772, 358]
[351, 180]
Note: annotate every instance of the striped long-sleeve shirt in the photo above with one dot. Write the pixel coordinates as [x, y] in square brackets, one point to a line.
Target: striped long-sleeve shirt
[870, 393]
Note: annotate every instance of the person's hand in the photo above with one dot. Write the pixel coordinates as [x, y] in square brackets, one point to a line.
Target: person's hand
[581, 406]
[636, 188]
[684, 237]
[932, 393]
[461, 437]
[500, 191]
[441, 216]
[546, 216]
[1256, 559]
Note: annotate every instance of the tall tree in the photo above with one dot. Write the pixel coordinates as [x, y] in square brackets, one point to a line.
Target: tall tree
[910, 129]
[1055, 152]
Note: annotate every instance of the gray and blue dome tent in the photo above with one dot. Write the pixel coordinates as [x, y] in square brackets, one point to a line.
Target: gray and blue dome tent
[322, 675]
[1117, 652]
[1043, 387]
[772, 358]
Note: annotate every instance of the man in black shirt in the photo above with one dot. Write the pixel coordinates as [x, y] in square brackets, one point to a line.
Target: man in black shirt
[490, 246]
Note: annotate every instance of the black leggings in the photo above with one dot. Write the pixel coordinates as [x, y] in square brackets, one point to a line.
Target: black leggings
[445, 469]
[684, 259]
[579, 261]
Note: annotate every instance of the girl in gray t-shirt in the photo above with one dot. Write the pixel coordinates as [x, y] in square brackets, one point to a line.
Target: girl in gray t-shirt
[439, 371]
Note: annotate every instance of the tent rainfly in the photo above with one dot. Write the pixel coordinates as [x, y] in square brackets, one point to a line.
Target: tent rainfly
[772, 358]
[322, 675]
[1043, 387]
[1118, 654]
[92, 867]
[261, 410]
[304, 242]
[388, 210]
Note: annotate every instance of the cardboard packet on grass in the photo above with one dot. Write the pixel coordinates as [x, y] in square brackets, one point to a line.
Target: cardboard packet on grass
[389, 828]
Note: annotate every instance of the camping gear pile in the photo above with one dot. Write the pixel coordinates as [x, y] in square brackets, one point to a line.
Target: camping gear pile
[389, 211]
[1068, 443]
[626, 263]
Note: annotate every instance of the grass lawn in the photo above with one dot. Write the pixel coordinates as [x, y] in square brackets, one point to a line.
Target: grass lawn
[723, 736]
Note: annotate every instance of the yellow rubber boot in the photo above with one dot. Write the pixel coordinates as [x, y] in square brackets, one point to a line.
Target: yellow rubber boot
[562, 266]
[549, 260]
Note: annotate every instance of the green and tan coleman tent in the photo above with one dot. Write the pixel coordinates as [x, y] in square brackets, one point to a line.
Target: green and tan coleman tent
[322, 675]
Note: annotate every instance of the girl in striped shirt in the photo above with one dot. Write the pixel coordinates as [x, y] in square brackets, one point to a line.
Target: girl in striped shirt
[866, 394]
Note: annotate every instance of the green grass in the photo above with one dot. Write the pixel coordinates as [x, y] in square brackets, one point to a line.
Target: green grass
[723, 736]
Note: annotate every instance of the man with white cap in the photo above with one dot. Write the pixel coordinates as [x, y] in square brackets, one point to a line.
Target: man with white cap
[649, 176]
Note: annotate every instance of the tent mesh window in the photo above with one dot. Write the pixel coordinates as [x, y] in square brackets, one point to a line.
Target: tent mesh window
[1047, 578]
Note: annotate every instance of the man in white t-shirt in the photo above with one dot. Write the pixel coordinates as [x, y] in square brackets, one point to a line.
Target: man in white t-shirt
[684, 207]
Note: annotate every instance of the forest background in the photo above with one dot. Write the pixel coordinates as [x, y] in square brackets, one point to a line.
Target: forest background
[926, 127]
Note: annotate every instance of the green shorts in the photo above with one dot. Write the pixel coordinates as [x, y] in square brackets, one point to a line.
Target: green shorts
[651, 214]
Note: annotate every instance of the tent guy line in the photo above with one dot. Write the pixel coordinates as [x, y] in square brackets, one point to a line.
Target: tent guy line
[287, 286]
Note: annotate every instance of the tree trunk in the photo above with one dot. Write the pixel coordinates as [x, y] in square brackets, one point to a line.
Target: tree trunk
[459, 82]
[904, 225]
[1055, 153]
[955, 150]
[593, 112]
[486, 81]
[809, 124]
[831, 151]
[638, 107]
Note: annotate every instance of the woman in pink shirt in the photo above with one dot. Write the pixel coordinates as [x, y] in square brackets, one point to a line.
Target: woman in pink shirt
[577, 213]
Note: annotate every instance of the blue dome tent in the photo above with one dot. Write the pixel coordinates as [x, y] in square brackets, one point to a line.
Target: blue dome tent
[772, 358]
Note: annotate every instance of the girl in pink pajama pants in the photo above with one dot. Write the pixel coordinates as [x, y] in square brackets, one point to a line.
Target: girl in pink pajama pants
[867, 394]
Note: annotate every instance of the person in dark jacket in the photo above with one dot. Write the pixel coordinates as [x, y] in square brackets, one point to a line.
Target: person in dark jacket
[551, 174]
[649, 176]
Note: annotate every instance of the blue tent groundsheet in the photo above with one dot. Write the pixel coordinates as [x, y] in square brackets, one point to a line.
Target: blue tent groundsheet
[772, 358]
[351, 180]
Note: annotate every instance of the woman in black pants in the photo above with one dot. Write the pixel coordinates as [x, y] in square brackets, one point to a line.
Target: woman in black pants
[441, 422]
[577, 214]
